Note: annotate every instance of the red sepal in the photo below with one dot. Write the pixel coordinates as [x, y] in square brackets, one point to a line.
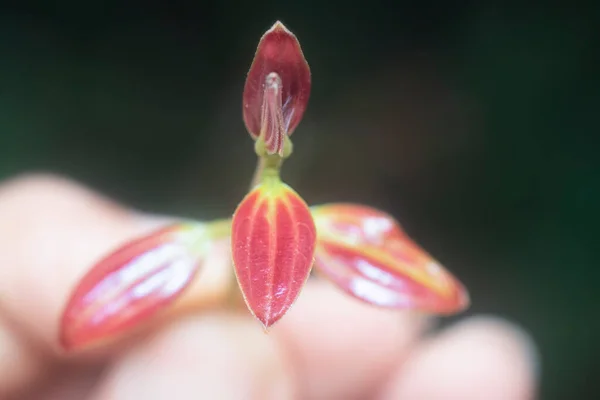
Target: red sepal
[366, 253]
[132, 284]
[273, 243]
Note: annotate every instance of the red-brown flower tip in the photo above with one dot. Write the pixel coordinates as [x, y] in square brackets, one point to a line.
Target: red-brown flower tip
[132, 284]
[277, 88]
[273, 244]
[366, 253]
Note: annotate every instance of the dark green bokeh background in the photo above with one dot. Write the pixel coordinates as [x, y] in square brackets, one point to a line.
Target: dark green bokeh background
[474, 124]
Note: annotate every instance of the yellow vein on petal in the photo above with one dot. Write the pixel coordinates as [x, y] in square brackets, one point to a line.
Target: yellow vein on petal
[416, 274]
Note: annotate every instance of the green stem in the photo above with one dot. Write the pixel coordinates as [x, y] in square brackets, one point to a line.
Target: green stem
[258, 173]
[269, 165]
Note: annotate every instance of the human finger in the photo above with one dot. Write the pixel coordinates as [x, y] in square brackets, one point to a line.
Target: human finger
[341, 348]
[206, 356]
[19, 361]
[480, 358]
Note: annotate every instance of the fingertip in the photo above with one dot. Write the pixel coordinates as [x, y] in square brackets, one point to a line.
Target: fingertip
[41, 187]
[482, 357]
[518, 344]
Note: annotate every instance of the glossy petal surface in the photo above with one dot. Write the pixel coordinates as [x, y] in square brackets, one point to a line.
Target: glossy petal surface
[273, 244]
[133, 283]
[366, 253]
[278, 52]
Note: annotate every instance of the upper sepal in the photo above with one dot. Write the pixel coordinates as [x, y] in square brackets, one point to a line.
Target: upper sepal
[366, 253]
[277, 87]
[133, 283]
[273, 243]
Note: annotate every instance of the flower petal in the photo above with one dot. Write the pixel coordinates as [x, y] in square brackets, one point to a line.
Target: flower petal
[133, 283]
[273, 244]
[366, 253]
[277, 86]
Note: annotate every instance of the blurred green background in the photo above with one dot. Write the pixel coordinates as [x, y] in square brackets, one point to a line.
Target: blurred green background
[475, 124]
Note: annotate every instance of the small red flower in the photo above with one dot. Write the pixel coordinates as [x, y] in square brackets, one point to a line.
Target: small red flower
[366, 253]
[273, 242]
[277, 88]
[275, 237]
[133, 283]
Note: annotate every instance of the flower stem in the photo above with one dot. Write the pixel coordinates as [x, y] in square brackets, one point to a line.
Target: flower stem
[269, 165]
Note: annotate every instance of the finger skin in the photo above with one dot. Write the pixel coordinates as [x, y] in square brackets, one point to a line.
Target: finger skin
[480, 358]
[67, 382]
[20, 363]
[218, 356]
[342, 348]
